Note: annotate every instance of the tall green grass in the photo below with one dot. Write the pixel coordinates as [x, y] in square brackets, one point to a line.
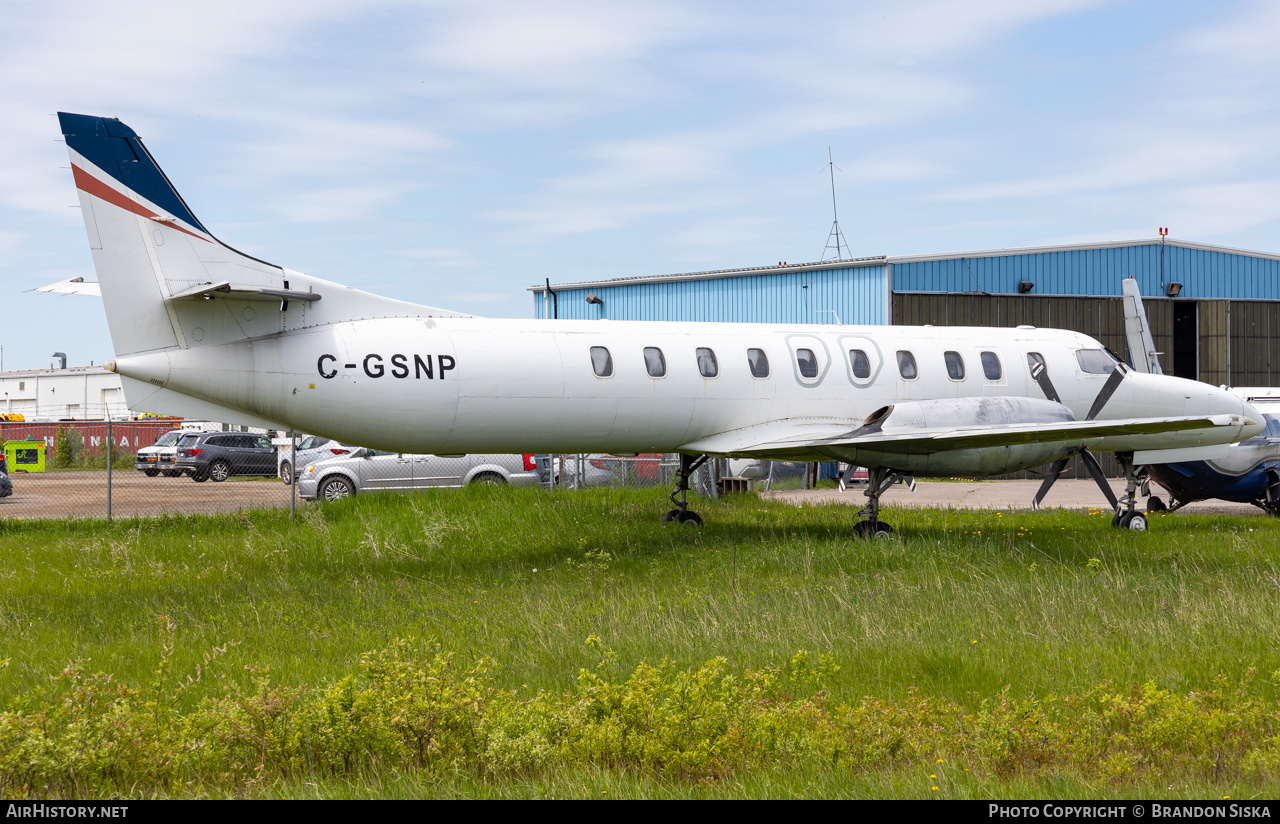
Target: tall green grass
[964, 607]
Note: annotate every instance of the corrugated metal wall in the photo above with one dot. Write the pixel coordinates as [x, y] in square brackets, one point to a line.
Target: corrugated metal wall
[1203, 273]
[855, 295]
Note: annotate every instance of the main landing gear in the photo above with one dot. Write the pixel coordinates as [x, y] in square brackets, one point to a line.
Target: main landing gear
[878, 480]
[682, 514]
[1127, 515]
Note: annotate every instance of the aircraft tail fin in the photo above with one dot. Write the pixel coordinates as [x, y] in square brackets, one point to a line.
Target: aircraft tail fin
[148, 247]
[1137, 331]
[165, 280]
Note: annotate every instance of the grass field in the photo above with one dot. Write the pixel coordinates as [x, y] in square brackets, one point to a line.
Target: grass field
[982, 654]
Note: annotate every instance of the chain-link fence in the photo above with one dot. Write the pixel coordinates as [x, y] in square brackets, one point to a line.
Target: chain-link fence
[105, 469]
[127, 468]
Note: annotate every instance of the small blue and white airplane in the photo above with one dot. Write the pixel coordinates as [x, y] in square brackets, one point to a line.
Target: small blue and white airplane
[202, 330]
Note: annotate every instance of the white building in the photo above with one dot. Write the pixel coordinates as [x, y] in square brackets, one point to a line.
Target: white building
[81, 392]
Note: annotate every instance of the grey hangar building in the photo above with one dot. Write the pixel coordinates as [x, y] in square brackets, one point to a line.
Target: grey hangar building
[1214, 311]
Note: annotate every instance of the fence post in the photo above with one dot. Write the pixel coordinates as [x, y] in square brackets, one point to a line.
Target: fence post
[109, 444]
[293, 475]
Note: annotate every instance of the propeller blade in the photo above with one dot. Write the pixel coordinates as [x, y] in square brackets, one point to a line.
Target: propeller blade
[1040, 374]
[1099, 477]
[1055, 469]
[1108, 389]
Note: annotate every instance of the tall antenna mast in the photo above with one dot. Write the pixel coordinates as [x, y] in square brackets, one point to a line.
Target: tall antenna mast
[836, 244]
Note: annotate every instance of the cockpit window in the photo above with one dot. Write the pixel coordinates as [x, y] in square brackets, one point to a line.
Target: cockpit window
[1095, 361]
[1273, 426]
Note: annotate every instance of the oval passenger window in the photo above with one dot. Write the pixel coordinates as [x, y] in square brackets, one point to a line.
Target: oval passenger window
[907, 365]
[707, 365]
[955, 365]
[654, 363]
[860, 363]
[808, 363]
[759, 363]
[991, 366]
[601, 362]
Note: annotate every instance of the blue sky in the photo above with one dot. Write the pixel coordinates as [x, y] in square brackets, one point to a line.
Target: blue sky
[454, 153]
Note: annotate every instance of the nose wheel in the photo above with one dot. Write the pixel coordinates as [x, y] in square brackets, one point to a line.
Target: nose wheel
[1127, 515]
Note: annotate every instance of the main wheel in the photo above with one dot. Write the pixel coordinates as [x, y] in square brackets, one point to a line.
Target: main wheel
[1133, 520]
[687, 518]
[672, 515]
[868, 529]
[335, 488]
[151, 473]
[219, 471]
[286, 473]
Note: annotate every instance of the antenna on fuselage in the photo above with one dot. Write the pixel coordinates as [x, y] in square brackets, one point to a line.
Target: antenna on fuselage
[835, 239]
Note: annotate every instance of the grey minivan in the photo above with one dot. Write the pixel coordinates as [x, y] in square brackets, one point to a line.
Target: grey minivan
[370, 469]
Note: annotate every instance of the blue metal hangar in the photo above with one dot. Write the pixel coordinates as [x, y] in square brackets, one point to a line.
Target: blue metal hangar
[1214, 311]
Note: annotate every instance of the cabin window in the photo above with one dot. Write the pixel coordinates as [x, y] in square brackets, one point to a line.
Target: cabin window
[991, 366]
[907, 365]
[808, 363]
[759, 363]
[601, 362]
[654, 363]
[1095, 361]
[955, 365]
[860, 363]
[707, 365]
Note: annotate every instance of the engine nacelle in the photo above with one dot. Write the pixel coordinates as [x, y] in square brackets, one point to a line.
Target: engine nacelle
[926, 458]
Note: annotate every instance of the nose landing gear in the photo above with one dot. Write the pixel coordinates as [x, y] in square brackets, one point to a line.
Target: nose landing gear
[1127, 515]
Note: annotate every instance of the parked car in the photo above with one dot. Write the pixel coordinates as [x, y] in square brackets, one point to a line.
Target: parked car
[370, 469]
[6, 485]
[219, 455]
[309, 450]
[160, 456]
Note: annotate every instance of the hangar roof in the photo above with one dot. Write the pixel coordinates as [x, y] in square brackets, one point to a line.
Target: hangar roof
[881, 260]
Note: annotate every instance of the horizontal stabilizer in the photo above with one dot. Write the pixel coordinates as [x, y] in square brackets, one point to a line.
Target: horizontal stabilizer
[72, 286]
[241, 291]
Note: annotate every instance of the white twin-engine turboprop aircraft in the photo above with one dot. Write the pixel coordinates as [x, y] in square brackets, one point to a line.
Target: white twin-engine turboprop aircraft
[203, 330]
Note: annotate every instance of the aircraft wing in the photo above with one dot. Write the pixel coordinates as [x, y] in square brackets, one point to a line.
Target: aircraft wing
[810, 439]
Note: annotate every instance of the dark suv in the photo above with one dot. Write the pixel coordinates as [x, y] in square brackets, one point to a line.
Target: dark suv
[219, 455]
